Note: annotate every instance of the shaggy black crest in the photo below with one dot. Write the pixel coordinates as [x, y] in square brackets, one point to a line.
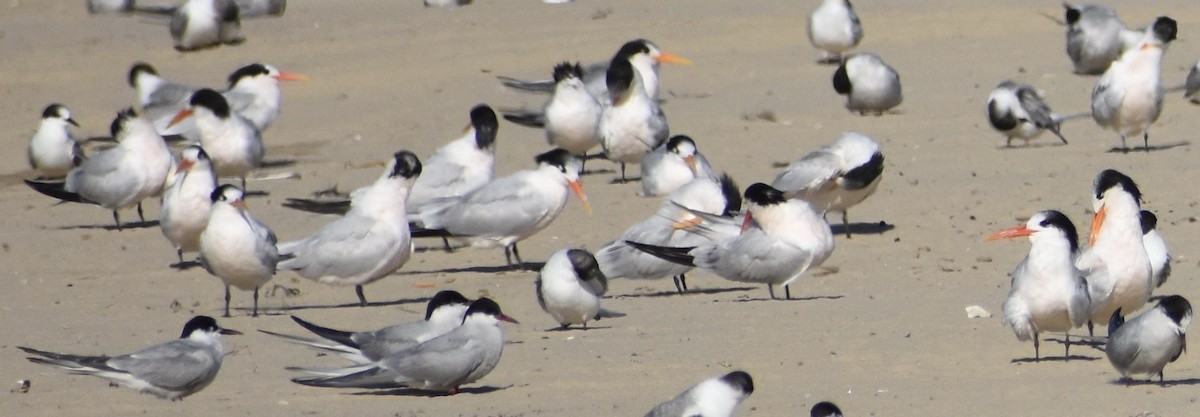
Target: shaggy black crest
[247, 71]
[764, 195]
[567, 70]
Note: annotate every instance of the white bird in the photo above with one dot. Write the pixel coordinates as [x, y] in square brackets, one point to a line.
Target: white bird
[109, 6]
[569, 288]
[444, 313]
[1129, 96]
[667, 227]
[231, 141]
[236, 247]
[1020, 112]
[1148, 342]
[462, 356]
[1156, 249]
[187, 202]
[643, 54]
[509, 209]
[671, 165]
[825, 409]
[713, 397]
[869, 84]
[1116, 265]
[780, 239]
[1096, 37]
[119, 177]
[203, 23]
[170, 371]
[834, 28]
[570, 117]
[835, 177]
[370, 242]
[246, 8]
[53, 150]
[1048, 293]
[631, 124]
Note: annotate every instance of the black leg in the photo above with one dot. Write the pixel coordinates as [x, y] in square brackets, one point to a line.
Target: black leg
[787, 292]
[117, 219]
[517, 255]
[508, 256]
[846, 222]
[254, 313]
[446, 245]
[1146, 141]
[140, 216]
[1067, 346]
[362, 300]
[1090, 333]
[1037, 344]
[683, 281]
[623, 179]
[179, 252]
[771, 290]
[1124, 149]
[226, 300]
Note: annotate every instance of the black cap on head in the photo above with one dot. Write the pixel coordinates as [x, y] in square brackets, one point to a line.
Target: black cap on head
[1165, 29]
[841, 80]
[53, 110]
[139, 68]
[825, 409]
[555, 157]
[631, 48]
[567, 70]
[212, 101]
[675, 141]
[619, 78]
[863, 175]
[1072, 14]
[1060, 221]
[1176, 307]
[733, 196]
[247, 71]
[739, 380]
[486, 306]
[407, 165]
[444, 298]
[1110, 178]
[118, 123]
[483, 119]
[199, 323]
[764, 195]
[218, 194]
[1149, 221]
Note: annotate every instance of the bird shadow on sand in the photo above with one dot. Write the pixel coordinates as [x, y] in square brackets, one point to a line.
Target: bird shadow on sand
[134, 225]
[668, 293]
[355, 304]
[878, 228]
[277, 163]
[185, 265]
[1055, 359]
[597, 171]
[1089, 341]
[524, 267]
[1031, 146]
[626, 180]
[411, 392]
[813, 298]
[1164, 384]
[575, 328]
[1152, 148]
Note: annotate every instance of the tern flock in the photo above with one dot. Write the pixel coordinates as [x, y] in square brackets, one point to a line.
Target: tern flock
[612, 106]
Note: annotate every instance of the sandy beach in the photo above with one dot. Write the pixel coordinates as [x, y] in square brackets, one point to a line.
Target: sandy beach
[879, 329]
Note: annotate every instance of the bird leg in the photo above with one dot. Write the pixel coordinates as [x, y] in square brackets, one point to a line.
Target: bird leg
[254, 313]
[1146, 141]
[362, 300]
[787, 291]
[117, 219]
[446, 245]
[846, 222]
[1090, 333]
[1037, 344]
[140, 216]
[679, 286]
[1067, 347]
[1124, 149]
[226, 300]
[179, 252]
[771, 290]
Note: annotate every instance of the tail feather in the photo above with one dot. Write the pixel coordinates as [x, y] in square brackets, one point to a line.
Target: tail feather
[543, 86]
[71, 362]
[527, 118]
[340, 207]
[339, 336]
[418, 231]
[368, 376]
[57, 189]
[680, 256]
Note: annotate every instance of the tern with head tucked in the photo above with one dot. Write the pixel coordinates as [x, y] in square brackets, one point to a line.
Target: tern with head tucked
[236, 247]
[779, 240]
[1095, 37]
[464, 355]
[231, 141]
[1156, 249]
[1020, 112]
[1129, 96]
[509, 209]
[203, 23]
[631, 124]
[53, 150]
[444, 313]
[1116, 265]
[370, 242]
[713, 397]
[869, 84]
[569, 288]
[835, 177]
[170, 371]
[1148, 342]
[643, 54]
[671, 165]
[1048, 293]
[187, 202]
[834, 28]
[119, 177]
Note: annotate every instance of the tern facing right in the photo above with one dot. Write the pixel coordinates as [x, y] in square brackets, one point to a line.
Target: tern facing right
[1048, 293]
[53, 150]
[464, 355]
[869, 84]
[1020, 112]
[835, 177]
[1128, 98]
[370, 242]
[569, 288]
[671, 165]
[1156, 249]
[187, 202]
[1116, 265]
[1148, 342]
[631, 124]
[1096, 37]
[170, 371]
[236, 247]
[834, 28]
[713, 397]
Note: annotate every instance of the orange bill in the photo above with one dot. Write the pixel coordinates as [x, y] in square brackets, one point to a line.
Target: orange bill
[291, 76]
[691, 222]
[185, 165]
[672, 59]
[1097, 221]
[183, 114]
[746, 223]
[1010, 233]
[691, 162]
[241, 204]
[578, 189]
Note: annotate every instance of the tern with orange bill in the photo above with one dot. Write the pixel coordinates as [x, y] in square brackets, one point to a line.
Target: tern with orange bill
[1128, 98]
[187, 202]
[236, 247]
[1116, 265]
[231, 141]
[670, 166]
[643, 54]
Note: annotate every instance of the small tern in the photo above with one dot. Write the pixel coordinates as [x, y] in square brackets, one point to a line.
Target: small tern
[1156, 249]
[233, 143]
[631, 124]
[569, 288]
[834, 28]
[370, 242]
[187, 202]
[53, 150]
[462, 356]
[825, 409]
[1129, 96]
[1048, 293]
[570, 117]
[203, 23]
[671, 165]
[1116, 265]
[1148, 342]
[170, 371]
[835, 177]
[1192, 85]
[713, 397]
[869, 84]
[1096, 37]
[1020, 112]
[236, 247]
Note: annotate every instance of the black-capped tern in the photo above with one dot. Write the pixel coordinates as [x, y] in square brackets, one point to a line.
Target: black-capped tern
[631, 124]
[1156, 248]
[236, 247]
[570, 117]
[643, 54]
[1116, 265]
[1148, 342]
[714, 397]
[187, 201]
[671, 165]
[825, 409]
[1095, 37]
[569, 288]
[53, 150]
[869, 84]
[1128, 98]
[231, 141]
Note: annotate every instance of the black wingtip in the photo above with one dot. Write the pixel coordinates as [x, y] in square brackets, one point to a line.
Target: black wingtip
[340, 207]
[680, 256]
[57, 189]
[421, 232]
[339, 336]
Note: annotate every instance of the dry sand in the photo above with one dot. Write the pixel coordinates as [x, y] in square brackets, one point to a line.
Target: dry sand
[880, 329]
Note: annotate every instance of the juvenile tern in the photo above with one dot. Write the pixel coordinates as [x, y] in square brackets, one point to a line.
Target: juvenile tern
[444, 313]
[569, 288]
[834, 28]
[671, 165]
[187, 202]
[119, 177]
[713, 397]
[170, 371]
[1096, 37]
[835, 177]
[869, 84]
[632, 124]
[236, 247]
[1129, 96]
[509, 209]
[1020, 112]
[780, 239]
[53, 150]
[1148, 342]
[1116, 265]
[1156, 249]
[1048, 293]
[370, 242]
[462, 356]
[233, 143]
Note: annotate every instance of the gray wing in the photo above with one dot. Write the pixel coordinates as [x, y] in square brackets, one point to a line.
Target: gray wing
[239, 101]
[673, 408]
[753, 257]
[259, 8]
[267, 251]
[436, 181]
[176, 365]
[346, 247]
[1039, 111]
[500, 208]
[443, 360]
[102, 174]
[813, 173]
[179, 22]
[1080, 306]
[1105, 101]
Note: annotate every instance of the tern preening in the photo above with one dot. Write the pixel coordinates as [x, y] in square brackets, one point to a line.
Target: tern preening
[835, 177]
[869, 84]
[834, 28]
[1095, 37]
[1020, 112]
[569, 288]
[713, 397]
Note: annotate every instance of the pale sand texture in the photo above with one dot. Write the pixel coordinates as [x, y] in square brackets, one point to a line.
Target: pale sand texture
[885, 334]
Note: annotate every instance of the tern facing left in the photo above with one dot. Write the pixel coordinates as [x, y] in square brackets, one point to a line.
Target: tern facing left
[1048, 293]
[1129, 96]
[370, 242]
[569, 288]
[1116, 265]
[233, 143]
[53, 150]
[671, 165]
[1148, 342]
[1019, 112]
[835, 177]
[869, 84]
[713, 397]
[170, 371]
[187, 202]
[236, 247]
[834, 28]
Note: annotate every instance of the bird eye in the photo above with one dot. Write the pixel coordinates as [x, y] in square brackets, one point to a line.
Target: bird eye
[1044, 223]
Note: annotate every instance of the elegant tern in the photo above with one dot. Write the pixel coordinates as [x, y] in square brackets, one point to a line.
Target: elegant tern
[1116, 265]
[631, 124]
[187, 201]
[569, 288]
[713, 397]
[231, 141]
[1128, 98]
[869, 84]
[671, 165]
